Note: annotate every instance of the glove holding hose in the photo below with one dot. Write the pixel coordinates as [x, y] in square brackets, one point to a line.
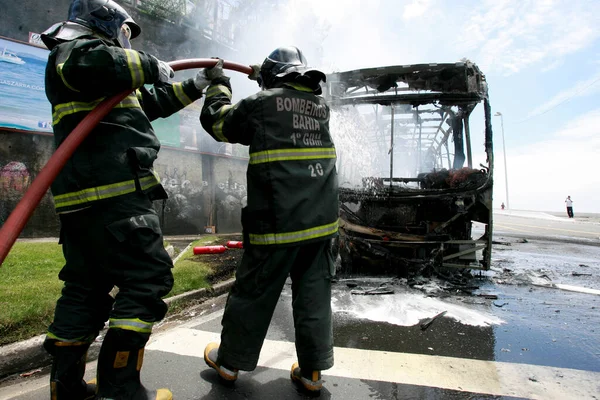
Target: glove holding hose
[165, 72]
[205, 76]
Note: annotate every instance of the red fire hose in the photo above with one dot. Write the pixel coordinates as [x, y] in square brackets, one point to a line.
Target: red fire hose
[16, 221]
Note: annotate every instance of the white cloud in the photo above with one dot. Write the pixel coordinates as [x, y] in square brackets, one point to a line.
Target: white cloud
[510, 35]
[541, 175]
[501, 36]
[552, 66]
[582, 88]
[416, 8]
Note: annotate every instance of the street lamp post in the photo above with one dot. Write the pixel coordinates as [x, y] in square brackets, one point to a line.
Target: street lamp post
[499, 114]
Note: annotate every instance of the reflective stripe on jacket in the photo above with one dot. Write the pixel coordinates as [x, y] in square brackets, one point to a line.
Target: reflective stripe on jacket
[291, 178]
[117, 156]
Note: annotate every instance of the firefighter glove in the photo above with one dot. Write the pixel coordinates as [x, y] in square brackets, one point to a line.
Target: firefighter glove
[255, 72]
[201, 81]
[205, 76]
[164, 71]
[216, 71]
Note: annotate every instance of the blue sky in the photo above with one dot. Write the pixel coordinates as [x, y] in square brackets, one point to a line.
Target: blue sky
[541, 59]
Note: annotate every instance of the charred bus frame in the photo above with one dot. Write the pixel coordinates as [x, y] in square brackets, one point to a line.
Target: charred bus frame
[403, 224]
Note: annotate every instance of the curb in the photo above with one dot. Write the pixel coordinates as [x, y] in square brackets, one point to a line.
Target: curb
[30, 354]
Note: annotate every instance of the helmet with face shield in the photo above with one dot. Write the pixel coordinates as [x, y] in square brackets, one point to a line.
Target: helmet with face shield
[125, 36]
[105, 17]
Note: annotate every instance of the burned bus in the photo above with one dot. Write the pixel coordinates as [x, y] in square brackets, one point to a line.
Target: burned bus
[415, 187]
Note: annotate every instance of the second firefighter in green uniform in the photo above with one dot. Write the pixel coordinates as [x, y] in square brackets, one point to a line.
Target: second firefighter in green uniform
[291, 215]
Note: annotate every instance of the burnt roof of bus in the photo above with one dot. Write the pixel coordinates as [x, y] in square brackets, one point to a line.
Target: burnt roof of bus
[459, 84]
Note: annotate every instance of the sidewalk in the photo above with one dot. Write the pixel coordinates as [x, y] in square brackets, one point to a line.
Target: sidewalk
[585, 218]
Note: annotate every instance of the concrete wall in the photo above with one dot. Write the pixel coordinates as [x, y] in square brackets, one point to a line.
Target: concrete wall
[22, 155]
[204, 189]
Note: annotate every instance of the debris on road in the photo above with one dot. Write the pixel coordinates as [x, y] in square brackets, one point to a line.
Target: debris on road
[488, 296]
[425, 324]
[373, 291]
[579, 274]
[30, 373]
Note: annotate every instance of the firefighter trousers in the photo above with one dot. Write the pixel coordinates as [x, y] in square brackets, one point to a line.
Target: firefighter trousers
[116, 242]
[260, 278]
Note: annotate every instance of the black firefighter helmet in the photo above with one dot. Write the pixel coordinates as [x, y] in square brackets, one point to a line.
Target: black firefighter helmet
[103, 16]
[288, 64]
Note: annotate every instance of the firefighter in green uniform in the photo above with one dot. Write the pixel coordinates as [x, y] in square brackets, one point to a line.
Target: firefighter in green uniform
[110, 232]
[290, 218]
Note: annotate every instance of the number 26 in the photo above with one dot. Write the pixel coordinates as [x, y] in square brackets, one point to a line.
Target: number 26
[315, 170]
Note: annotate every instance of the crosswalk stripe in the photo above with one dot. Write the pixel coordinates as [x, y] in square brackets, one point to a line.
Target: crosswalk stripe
[486, 377]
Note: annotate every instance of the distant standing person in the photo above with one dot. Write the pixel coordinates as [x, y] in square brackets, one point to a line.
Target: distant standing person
[569, 204]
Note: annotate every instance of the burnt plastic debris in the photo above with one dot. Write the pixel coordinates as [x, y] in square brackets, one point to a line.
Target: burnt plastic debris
[427, 323]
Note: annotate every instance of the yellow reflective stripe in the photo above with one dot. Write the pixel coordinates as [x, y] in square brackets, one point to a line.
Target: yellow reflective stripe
[181, 96]
[299, 87]
[292, 237]
[103, 192]
[134, 324]
[64, 109]
[292, 154]
[59, 68]
[218, 126]
[71, 342]
[134, 62]
[139, 95]
[73, 107]
[214, 90]
[149, 181]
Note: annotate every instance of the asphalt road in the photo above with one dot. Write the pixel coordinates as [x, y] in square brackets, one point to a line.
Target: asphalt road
[534, 340]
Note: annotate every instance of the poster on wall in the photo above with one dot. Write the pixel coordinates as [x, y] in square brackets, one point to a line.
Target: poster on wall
[23, 103]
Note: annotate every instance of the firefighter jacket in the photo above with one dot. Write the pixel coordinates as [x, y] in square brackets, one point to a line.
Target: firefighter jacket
[291, 177]
[117, 157]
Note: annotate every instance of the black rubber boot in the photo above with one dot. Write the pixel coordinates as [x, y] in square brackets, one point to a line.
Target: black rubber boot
[68, 368]
[119, 365]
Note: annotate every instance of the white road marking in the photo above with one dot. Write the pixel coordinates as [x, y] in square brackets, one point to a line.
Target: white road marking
[486, 377]
[570, 288]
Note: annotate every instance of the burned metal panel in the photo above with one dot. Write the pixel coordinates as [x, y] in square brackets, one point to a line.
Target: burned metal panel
[418, 215]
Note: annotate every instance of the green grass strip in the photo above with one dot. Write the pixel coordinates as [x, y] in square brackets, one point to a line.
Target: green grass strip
[29, 285]
[29, 288]
[189, 272]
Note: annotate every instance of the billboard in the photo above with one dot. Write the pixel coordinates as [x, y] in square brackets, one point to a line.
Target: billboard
[23, 103]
